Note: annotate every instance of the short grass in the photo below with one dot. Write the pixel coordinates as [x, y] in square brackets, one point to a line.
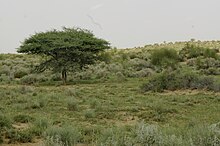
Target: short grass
[105, 105]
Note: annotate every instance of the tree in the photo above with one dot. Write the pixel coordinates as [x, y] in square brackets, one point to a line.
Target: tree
[64, 50]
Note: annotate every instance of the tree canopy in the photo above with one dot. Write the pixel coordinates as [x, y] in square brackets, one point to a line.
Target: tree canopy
[64, 50]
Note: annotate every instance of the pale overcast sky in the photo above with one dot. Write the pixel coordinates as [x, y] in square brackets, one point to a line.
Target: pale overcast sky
[124, 23]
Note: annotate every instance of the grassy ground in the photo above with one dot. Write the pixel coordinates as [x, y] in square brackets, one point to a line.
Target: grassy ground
[107, 104]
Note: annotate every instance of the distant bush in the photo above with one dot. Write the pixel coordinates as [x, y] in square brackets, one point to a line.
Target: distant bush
[5, 70]
[144, 72]
[208, 66]
[138, 64]
[164, 57]
[180, 79]
[33, 78]
[21, 73]
[192, 51]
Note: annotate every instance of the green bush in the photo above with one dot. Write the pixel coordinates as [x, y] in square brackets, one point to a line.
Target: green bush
[67, 136]
[20, 71]
[164, 57]
[33, 78]
[39, 126]
[23, 118]
[23, 136]
[180, 79]
[89, 114]
[72, 105]
[5, 122]
[192, 51]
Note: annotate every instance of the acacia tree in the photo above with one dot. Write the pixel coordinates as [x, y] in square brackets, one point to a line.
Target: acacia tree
[64, 50]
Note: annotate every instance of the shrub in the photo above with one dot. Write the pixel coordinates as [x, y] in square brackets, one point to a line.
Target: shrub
[5, 122]
[144, 72]
[89, 114]
[33, 78]
[72, 105]
[67, 136]
[192, 51]
[23, 118]
[5, 70]
[179, 79]
[147, 134]
[21, 72]
[39, 126]
[164, 57]
[94, 103]
[23, 136]
[4, 78]
[138, 64]
[204, 135]
[29, 79]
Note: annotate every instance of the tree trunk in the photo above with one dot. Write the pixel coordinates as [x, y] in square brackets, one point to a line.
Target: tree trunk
[64, 76]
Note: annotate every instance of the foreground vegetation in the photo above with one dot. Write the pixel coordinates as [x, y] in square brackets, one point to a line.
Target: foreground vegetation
[133, 97]
[102, 114]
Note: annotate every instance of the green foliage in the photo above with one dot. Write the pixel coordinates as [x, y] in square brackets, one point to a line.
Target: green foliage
[23, 118]
[66, 136]
[20, 73]
[193, 51]
[180, 79]
[24, 136]
[164, 57]
[5, 122]
[72, 105]
[39, 126]
[33, 79]
[66, 50]
[89, 114]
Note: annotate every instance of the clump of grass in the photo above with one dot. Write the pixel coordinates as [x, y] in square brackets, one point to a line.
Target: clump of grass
[23, 136]
[89, 114]
[65, 136]
[147, 134]
[95, 104]
[39, 103]
[72, 105]
[5, 122]
[39, 126]
[72, 92]
[25, 89]
[23, 118]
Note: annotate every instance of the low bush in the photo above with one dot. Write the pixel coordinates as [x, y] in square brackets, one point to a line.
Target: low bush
[19, 73]
[89, 114]
[164, 57]
[23, 136]
[39, 126]
[23, 118]
[72, 105]
[180, 79]
[33, 78]
[5, 122]
[65, 136]
[192, 51]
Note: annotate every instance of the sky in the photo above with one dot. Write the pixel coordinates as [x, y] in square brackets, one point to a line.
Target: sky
[124, 23]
